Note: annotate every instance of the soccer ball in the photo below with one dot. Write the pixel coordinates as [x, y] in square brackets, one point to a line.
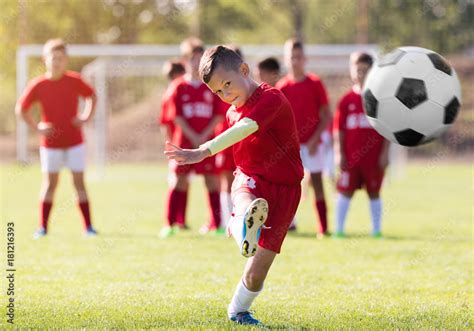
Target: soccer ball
[411, 96]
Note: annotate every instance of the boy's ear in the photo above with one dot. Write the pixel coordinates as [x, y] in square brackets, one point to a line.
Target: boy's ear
[244, 69]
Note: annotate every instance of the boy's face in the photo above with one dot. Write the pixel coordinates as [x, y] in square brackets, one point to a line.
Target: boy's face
[359, 72]
[56, 62]
[267, 76]
[232, 86]
[295, 59]
[194, 61]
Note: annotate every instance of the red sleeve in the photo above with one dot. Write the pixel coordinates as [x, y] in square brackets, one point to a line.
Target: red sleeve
[85, 89]
[175, 104]
[321, 94]
[29, 96]
[163, 118]
[340, 116]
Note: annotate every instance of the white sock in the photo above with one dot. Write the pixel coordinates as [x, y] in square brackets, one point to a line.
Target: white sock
[342, 206]
[376, 214]
[242, 300]
[236, 228]
[226, 208]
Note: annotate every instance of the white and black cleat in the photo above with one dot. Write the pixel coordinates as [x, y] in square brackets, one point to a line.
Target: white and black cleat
[254, 218]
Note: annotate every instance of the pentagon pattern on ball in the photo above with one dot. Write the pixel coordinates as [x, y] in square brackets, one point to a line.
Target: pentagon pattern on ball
[451, 111]
[408, 137]
[391, 58]
[370, 104]
[412, 92]
[440, 63]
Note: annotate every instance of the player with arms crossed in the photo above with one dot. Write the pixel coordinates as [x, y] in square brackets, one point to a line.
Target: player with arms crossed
[267, 185]
[57, 92]
[363, 152]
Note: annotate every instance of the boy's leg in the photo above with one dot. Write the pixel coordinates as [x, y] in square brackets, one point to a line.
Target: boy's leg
[317, 182]
[225, 197]
[375, 213]
[48, 188]
[342, 207]
[212, 184]
[177, 200]
[251, 284]
[241, 201]
[83, 200]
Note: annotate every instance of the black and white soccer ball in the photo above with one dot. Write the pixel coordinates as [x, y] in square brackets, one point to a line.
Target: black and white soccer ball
[411, 96]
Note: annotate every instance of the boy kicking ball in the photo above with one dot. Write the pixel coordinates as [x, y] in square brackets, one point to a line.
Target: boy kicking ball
[267, 185]
[57, 92]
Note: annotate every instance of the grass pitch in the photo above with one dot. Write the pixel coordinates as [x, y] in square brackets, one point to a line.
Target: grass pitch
[419, 276]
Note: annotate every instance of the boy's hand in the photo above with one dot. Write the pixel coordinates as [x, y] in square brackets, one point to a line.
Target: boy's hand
[45, 128]
[78, 122]
[186, 156]
[313, 144]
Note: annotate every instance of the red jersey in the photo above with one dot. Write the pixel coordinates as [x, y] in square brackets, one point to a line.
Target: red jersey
[306, 98]
[273, 151]
[362, 144]
[59, 100]
[166, 116]
[196, 104]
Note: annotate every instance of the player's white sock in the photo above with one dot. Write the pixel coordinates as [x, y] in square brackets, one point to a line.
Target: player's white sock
[342, 206]
[226, 208]
[242, 299]
[236, 228]
[376, 214]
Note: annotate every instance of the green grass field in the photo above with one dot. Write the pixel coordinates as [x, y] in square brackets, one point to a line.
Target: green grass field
[420, 276]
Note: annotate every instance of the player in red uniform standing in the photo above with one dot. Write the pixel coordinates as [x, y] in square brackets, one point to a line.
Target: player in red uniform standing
[267, 185]
[363, 152]
[196, 114]
[309, 101]
[57, 92]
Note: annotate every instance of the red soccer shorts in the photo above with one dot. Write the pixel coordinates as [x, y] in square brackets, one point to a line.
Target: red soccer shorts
[282, 200]
[205, 167]
[361, 175]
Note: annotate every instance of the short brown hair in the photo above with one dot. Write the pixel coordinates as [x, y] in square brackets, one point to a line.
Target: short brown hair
[294, 43]
[218, 56]
[172, 68]
[56, 44]
[190, 46]
[362, 57]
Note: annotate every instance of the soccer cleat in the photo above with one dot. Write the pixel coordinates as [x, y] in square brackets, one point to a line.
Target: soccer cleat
[90, 232]
[168, 231]
[322, 235]
[339, 235]
[254, 218]
[41, 232]
[245, 318]
[377, 235]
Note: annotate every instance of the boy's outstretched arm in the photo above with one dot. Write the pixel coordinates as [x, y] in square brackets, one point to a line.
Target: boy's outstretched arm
[239, 131]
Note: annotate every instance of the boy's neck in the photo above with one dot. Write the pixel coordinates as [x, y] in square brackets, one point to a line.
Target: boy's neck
[54, 76]
[298, 76]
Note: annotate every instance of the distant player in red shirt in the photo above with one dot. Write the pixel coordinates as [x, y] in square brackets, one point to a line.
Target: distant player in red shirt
[57, 93]
[267, 185]
[310, 104]
[268, 71]
[173, 70]
[363, 152]
[196, 114]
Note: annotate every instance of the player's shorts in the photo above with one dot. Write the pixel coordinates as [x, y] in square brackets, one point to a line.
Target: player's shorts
[225, 160]
[371, 177]
[312, 163]
[54, 159]
[205, 167]
[282, 200]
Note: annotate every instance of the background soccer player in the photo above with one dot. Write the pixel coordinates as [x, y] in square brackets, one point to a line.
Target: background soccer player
[363, 152]
[309, 100]
[267, 186]
[268, 71]
[57, 92]
[196, 114]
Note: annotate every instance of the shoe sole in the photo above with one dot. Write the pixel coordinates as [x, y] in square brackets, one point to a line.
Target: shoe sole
[255, 216]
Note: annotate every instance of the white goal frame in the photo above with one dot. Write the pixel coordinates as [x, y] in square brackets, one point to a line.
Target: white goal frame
[252, 54]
